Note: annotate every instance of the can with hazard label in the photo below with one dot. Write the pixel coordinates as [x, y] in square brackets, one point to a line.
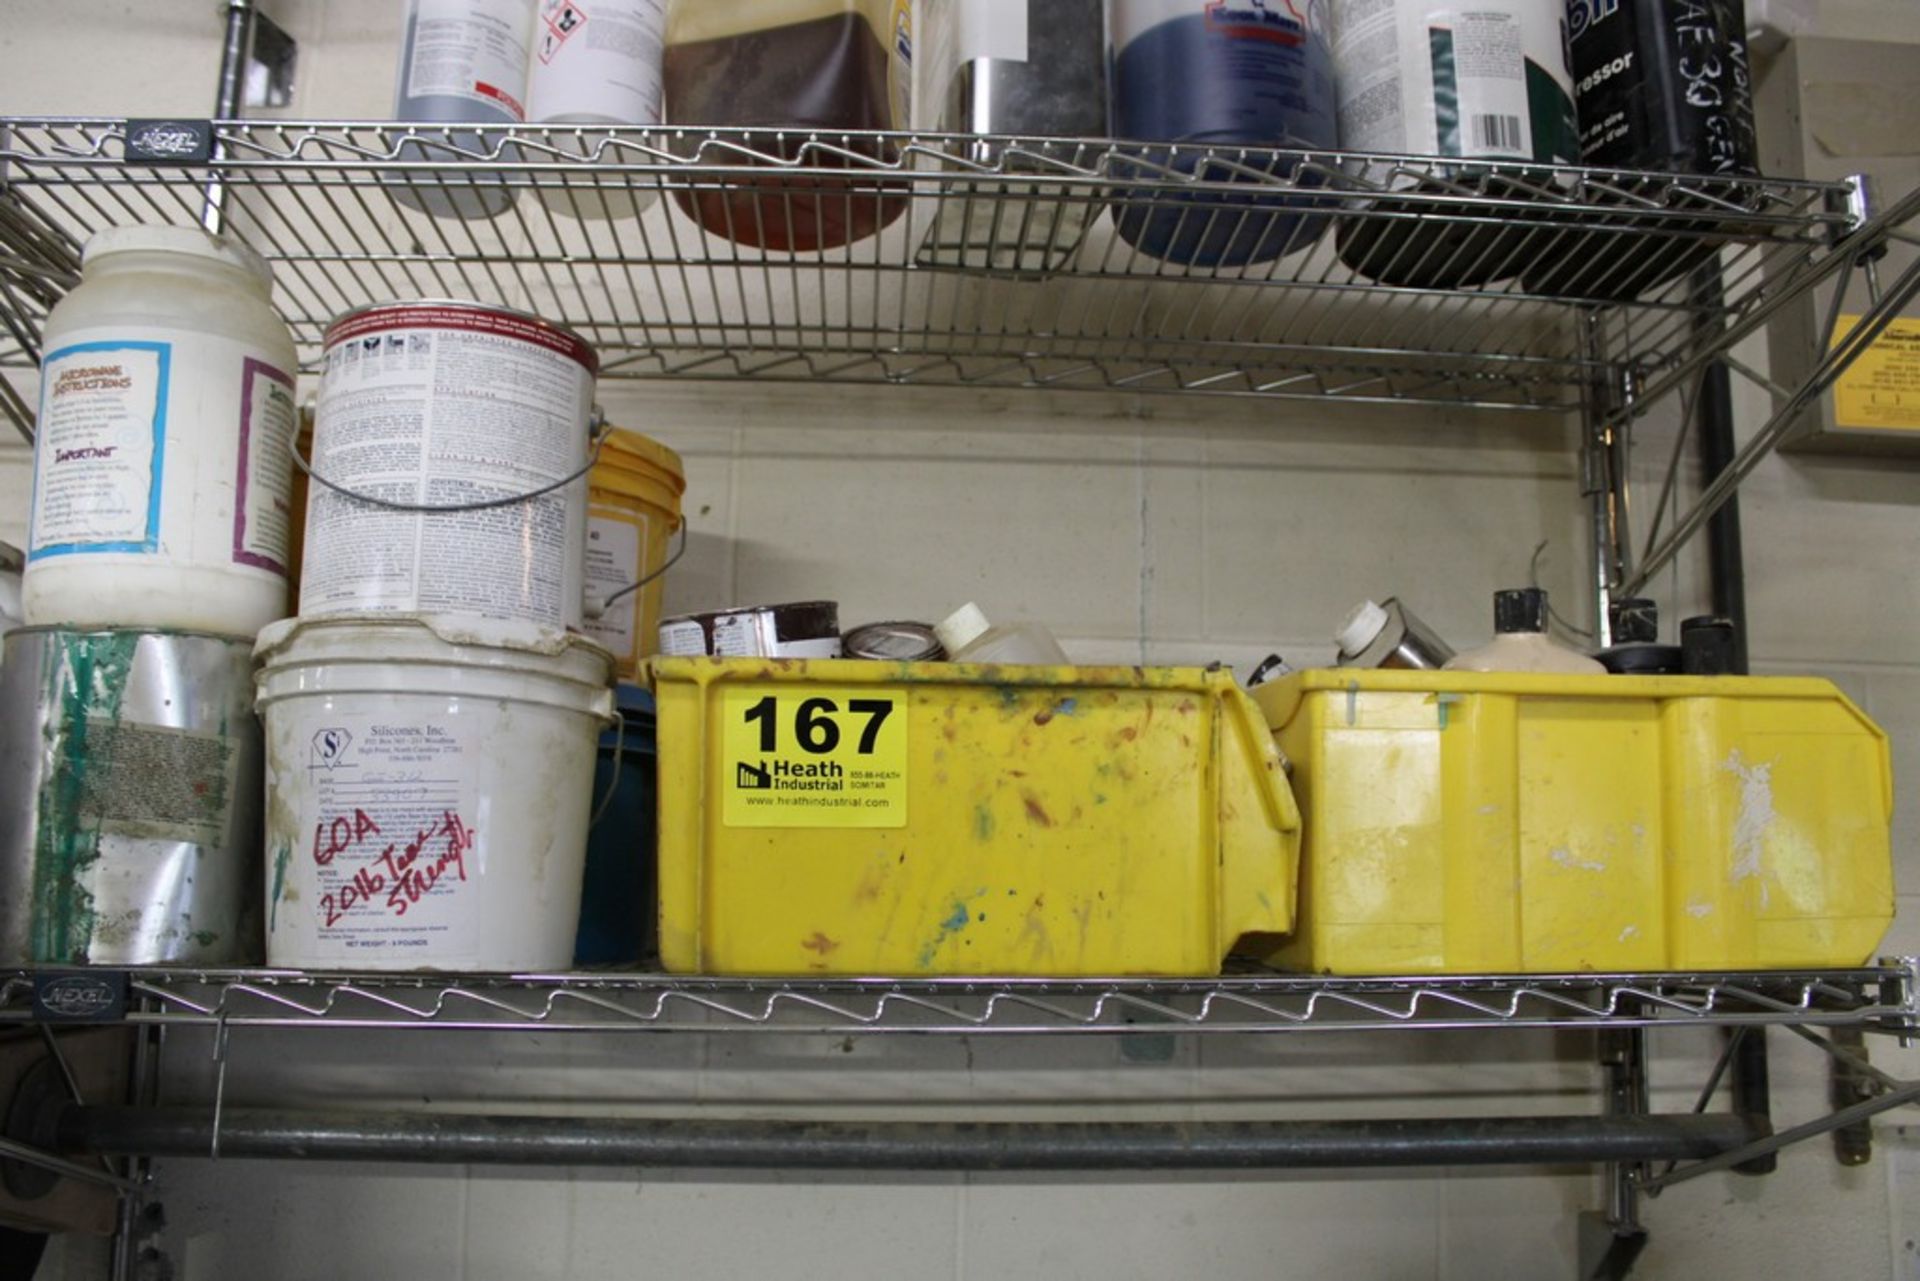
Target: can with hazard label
[596, 66]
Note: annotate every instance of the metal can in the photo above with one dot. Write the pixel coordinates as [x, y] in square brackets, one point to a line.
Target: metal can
[444, 404]
[803, 629]
[894, 643]
[130, 786]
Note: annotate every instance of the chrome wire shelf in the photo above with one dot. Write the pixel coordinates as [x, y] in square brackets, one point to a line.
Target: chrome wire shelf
[1884, 998]
[998, 261]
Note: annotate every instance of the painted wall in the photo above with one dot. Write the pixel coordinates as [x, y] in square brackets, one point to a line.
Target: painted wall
[1143, 529]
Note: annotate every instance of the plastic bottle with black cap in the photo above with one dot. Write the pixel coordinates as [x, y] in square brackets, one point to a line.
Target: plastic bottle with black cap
[1707, 646]
[1520, 642]
[1636, 650]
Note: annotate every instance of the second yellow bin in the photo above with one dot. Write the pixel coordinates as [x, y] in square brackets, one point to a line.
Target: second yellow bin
[1477, 823]
[854, 817]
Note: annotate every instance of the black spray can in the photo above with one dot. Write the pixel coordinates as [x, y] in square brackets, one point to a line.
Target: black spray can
[1663, 84]
[1660, 85]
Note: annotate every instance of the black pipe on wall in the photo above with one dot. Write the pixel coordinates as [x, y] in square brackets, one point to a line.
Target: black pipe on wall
[853, 1145]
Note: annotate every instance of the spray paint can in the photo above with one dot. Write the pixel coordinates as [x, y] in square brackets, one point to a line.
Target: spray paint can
[596, 65]
[465, 62]
[1662, 85]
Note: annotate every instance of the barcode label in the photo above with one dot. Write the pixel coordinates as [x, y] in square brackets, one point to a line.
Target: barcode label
[1498, 133]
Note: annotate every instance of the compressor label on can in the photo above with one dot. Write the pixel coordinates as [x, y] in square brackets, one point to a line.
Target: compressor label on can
[806, 756]
[101, 448]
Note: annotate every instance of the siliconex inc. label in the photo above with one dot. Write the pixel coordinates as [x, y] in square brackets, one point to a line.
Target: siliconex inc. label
[805, 756]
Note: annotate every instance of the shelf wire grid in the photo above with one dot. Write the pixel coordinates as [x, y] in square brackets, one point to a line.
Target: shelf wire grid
[1878, 998]
[991, 261]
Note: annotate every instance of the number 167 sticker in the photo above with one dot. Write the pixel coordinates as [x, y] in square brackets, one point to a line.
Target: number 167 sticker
[804, 756]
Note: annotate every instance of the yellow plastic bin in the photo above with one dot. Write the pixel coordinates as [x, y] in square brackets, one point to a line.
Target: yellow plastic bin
[853, 817]
[633, 509]
[1467, 822]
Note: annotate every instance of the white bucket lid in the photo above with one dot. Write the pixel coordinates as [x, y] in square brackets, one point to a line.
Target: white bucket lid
[438, 653]
[177, 240]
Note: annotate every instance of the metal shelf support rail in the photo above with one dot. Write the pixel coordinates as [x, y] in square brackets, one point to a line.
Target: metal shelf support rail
[1879, 999]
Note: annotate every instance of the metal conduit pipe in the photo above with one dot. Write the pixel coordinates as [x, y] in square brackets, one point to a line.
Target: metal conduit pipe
[854, 1145]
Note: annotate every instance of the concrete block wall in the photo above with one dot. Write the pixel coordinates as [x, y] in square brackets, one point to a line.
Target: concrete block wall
[1142, 529]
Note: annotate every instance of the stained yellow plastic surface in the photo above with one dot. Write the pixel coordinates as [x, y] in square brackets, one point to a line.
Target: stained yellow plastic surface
[1057, 821]
[1462, 822]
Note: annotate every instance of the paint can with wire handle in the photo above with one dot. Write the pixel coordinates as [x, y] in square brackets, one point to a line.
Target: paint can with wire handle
[451, 448]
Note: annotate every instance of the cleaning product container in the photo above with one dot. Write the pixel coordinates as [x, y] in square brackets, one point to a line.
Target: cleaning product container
[859, 817]
[633, 509]
[1216, 78]
[429, 781]
[461, 61]
[811, 70]
[1488, 81]
[595, 66]
[161, 472]
[618, 906]
[439, 404]
[129, 799]
[1461, 822]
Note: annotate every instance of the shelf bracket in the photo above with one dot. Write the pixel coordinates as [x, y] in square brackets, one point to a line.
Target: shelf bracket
[1611, 1240]
[1763, 442]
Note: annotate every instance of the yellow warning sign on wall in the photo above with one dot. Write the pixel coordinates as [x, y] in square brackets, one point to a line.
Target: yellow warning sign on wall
[813, 757]
[1881, 391]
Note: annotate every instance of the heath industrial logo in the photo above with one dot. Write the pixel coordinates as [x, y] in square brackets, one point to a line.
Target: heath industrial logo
[792, 776]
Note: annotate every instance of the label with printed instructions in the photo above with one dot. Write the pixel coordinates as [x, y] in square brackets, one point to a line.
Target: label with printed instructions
[1881, 390]
[389, 848]
[807, 756]
[101, 448]
[614, 540]
[263, 483]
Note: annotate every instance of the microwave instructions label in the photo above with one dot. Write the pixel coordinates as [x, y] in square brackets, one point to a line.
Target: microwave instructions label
[98, 461]
[804, 756]
[1881, 391]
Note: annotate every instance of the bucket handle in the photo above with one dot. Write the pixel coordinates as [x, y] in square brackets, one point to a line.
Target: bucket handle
[619, 759]
[599, 438]
[598, 608]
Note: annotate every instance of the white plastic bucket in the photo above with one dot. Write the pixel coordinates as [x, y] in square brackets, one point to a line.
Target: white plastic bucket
[429, 786]
[436, 405]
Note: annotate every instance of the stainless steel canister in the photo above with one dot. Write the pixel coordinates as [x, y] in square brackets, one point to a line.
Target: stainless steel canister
[130, 795]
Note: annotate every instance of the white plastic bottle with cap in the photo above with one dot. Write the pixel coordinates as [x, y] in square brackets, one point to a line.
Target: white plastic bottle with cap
[1520, 642]
[968, 637]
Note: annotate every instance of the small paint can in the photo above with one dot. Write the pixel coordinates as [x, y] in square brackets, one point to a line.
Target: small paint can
[894, 643]
[802, 629]
[129, 799]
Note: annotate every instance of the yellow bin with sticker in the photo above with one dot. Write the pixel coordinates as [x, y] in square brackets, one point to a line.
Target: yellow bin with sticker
[1488, 823]
[633, 509]
[840, 816]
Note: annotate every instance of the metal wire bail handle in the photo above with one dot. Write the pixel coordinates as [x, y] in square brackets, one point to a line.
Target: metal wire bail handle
[600, 430]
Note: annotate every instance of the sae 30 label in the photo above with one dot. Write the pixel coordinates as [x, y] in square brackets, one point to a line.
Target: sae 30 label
[810, 757]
